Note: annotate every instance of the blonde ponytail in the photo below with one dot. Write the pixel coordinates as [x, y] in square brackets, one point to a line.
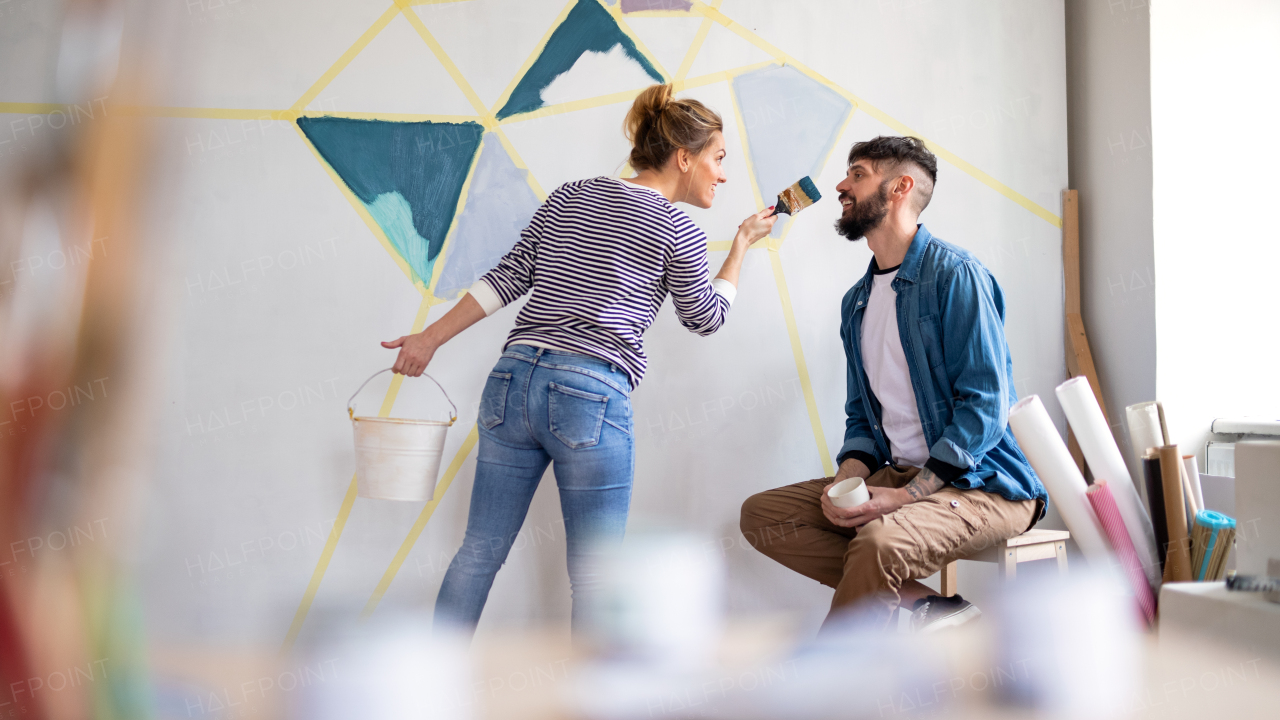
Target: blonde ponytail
[658, 124]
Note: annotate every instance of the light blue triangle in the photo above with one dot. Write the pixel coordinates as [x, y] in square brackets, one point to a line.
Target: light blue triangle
[499, 205]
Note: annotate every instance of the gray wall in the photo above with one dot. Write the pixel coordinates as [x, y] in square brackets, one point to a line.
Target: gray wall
[1109, 156]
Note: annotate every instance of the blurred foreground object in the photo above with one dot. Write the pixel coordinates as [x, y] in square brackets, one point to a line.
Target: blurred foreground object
[79, 333]
[392, 669]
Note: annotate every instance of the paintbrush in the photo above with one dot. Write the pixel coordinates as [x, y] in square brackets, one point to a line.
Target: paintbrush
[797, 197]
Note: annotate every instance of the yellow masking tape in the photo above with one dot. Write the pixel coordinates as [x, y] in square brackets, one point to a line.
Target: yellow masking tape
[695, 46]
[448, 64]
[584, 104]
[806, 385]
[344, 511]
[421, 523]
[24, 108]
[345, 59]
[746, 149]
[300, 615]
[533, 56]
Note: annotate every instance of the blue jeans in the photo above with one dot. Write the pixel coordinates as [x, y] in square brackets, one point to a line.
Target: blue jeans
[541, 406]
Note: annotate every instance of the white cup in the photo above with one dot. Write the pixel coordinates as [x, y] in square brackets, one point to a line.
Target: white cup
[849, 493]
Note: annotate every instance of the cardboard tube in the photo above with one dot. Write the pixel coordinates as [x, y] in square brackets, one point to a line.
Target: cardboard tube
[1178, 564]
[1188, 497]
[1193, 472]
[1093, 433]
[1049, 457]
[1144, 429]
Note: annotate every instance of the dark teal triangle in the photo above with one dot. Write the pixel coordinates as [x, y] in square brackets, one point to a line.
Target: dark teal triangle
[588, 26]
[408, 174]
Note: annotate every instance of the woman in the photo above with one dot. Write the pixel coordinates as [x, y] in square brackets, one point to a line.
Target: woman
[599, 258]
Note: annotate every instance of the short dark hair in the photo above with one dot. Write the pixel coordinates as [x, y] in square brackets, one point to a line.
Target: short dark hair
[890, 152]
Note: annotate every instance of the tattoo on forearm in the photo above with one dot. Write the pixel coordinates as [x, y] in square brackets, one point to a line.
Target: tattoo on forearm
[926, 483]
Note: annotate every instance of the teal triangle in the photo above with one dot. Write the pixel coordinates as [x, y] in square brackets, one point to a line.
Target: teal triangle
[500, 204]
[792, 121]
[408, 175]
[588, 26]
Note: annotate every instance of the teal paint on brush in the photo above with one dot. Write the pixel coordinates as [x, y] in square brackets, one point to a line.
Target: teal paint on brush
[408, 175]
[588, 26]
[796, 198]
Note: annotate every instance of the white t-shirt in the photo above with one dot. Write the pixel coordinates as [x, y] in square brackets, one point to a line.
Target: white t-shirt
[888, 375]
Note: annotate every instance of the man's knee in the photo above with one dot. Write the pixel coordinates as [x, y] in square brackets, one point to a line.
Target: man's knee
[765, 522]
[886, 553]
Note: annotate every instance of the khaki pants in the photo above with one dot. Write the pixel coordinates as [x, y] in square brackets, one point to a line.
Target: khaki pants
[872, 562]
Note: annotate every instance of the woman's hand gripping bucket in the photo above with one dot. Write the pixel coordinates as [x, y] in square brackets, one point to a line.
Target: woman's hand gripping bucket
[398, 459]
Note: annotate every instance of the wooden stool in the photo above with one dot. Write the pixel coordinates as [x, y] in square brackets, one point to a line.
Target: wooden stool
[1030, 545]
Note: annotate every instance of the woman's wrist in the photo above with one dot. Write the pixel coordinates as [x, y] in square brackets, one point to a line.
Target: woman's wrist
[434, 334]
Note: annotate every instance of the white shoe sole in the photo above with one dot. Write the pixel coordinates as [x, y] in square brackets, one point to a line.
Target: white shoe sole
[969, 614]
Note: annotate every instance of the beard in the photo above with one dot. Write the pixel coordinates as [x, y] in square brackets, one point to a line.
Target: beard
[863, 216]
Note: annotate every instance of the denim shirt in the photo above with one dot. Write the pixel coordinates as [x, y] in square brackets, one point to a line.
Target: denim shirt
[951, 320]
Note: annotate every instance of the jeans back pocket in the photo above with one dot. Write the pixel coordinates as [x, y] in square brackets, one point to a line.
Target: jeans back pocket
[493, 403]
[576, 415]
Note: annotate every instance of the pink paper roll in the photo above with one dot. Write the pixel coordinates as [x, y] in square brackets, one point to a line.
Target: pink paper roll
[1104, 505]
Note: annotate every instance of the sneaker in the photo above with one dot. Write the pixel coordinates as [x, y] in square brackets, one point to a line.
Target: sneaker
[935, 613]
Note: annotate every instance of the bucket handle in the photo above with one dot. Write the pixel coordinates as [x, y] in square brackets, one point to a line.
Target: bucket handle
[351, 412]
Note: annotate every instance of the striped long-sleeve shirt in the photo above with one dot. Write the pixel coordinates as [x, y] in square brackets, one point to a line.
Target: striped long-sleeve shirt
[600, 256]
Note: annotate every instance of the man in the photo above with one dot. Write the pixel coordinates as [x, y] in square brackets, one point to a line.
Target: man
[930, 383]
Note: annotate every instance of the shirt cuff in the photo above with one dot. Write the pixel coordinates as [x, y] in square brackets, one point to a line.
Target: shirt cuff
[727, 290]
[945, 471]
[488, 299]
[866, 458]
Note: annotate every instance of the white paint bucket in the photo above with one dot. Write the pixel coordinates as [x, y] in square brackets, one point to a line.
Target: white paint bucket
[398, 459]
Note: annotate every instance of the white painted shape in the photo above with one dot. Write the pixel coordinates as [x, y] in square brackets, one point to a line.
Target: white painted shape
[490, 41]
[724, 50]
[594, 74]
[667, 38]
[397, 73]
[572, 146]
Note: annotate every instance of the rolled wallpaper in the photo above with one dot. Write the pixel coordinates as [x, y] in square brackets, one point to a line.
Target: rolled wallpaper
[1050, 459]
[1105, 461]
